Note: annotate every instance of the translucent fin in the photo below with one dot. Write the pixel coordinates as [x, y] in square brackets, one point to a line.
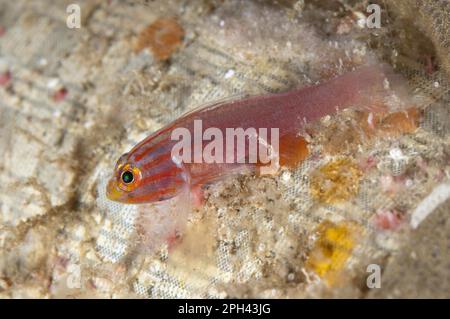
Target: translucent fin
[401, 122]
[220, 172]
[208, 106]
[378, 89]
[163, 223]
[293, 150]
[392, 124]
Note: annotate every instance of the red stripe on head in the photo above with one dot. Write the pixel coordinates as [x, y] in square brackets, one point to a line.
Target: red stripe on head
[148, 140]
[139, 156]
[156, 161]
[156, 177]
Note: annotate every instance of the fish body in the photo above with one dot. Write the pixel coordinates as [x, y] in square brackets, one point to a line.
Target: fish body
[150, 172]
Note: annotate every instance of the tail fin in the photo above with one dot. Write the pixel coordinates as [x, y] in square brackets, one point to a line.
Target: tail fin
[376, 88]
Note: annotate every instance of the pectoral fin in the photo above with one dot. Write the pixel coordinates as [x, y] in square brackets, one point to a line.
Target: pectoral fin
[293, 150]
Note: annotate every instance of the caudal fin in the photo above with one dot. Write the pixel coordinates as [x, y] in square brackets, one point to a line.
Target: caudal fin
[376, 88]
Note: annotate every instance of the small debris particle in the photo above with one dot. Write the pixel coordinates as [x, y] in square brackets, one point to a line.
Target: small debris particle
[286, 176]
[396, 154]
[53, 83]
[409, 182]
[57, 113]
[360, 19]
[162, 37]
[299, 5]
[370, 120]
[42, 62]
[229, 74]
[291, 277]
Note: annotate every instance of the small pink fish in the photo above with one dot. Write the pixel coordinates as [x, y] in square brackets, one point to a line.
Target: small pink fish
[149, 173]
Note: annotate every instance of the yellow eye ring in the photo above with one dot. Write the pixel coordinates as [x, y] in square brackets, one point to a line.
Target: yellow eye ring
[129, 177]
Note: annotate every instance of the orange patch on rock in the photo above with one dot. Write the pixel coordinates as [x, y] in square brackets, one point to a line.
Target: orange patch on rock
[162, 37]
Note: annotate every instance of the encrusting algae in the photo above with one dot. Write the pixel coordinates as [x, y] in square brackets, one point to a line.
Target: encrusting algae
[162, 37]
[332, 249]
[336, 181]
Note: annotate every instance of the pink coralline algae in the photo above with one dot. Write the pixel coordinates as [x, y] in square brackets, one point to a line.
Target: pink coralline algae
[60, 95]
[387, 219]
[5, 78]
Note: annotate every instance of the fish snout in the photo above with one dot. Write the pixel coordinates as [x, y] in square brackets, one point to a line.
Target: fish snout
[113, 192]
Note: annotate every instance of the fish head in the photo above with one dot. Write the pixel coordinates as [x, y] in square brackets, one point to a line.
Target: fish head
[147, 180]
[125, 180]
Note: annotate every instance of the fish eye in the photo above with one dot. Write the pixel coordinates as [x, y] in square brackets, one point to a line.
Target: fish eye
[127, 177]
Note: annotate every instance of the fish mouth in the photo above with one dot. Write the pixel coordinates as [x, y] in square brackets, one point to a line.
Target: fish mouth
[113, 192]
